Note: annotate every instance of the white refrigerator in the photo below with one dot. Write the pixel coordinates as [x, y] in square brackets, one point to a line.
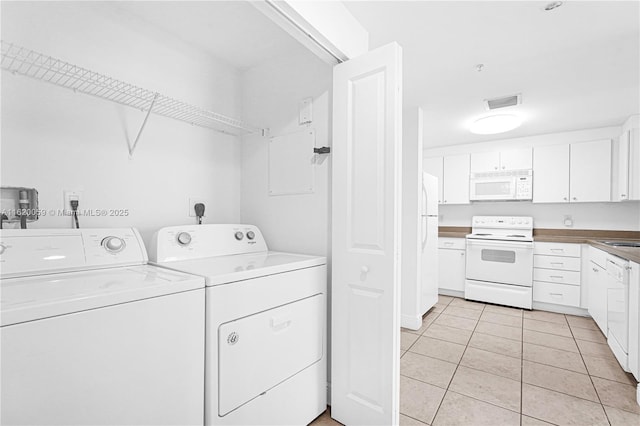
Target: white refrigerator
[429, 243]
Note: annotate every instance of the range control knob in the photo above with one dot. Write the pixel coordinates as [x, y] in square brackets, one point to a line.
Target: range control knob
[251, 235]
[239, 235]
[2, 248]
[113, 244]
[184, 238]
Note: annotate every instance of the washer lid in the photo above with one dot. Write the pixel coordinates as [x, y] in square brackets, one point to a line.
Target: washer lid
[226, 269]
[32, 298]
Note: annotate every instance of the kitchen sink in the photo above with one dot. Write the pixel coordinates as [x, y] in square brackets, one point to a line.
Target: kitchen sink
[622, 243]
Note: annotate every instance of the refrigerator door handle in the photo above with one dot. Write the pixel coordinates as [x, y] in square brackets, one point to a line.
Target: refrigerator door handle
[425, 233]
[424, 216]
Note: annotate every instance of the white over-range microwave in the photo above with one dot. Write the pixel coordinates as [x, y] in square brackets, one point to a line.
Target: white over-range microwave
[501, 186]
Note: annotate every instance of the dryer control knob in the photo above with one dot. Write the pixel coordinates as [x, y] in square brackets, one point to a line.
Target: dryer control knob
[239, 235]
[113, 244]
[251, 235]
[184, 238]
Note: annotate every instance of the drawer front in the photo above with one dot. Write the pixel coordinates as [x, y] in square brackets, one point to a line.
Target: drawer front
[598, 256]
[557, 262]
[452, 243]
[556, 276]
[559, 294]
[557, 249]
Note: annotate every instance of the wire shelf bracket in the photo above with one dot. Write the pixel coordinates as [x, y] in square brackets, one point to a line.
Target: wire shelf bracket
[20, 60]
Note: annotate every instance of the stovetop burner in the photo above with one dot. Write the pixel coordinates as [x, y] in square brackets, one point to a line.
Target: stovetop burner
[504, 228]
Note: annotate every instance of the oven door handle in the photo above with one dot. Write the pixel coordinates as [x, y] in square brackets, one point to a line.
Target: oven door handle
[501, 243]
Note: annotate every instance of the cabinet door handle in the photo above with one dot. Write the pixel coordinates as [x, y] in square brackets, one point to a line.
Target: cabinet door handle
[574, 199]
[559, 277]
[558, 250]
[556, 294]
[565, 198]
[557, 263]
[623, 195]
[594, 269]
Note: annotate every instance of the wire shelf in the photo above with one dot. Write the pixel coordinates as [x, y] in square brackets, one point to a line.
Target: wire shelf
[19, 60]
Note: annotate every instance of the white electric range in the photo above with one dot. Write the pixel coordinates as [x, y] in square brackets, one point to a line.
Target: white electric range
[499, 265]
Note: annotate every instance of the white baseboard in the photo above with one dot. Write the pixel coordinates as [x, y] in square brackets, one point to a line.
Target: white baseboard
[560, 309]
[452, 293]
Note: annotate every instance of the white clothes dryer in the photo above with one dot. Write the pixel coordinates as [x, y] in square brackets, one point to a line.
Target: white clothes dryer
[265, 323]
[91, 334]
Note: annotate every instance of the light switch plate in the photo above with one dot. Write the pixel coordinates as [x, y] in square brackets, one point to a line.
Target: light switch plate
[306, 112]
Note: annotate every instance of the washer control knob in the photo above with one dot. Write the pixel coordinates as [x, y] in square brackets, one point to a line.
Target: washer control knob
[2, 248]
[239, 235]
[184, 238]
[113, 244]
[251, 235]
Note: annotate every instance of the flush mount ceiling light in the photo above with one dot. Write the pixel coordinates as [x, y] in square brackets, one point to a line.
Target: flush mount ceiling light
[553, 5]
[493, 124]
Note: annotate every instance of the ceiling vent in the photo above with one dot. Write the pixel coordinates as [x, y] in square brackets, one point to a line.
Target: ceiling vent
[503, 102]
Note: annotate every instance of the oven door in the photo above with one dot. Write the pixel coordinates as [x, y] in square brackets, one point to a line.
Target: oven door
[504, 262]
[493, 188]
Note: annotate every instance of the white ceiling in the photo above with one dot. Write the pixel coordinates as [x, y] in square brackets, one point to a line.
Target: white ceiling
[233, 32]
[577, 66]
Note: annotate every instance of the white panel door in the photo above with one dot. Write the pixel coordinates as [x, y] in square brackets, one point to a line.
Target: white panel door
[365, 305]
[590, 171]
[551, 174]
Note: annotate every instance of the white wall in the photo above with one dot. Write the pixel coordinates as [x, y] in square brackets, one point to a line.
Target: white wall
[271, 94]
[615, 216]
[54, 139]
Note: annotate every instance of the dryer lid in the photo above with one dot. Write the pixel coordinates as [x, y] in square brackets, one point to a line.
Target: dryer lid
[226, 269]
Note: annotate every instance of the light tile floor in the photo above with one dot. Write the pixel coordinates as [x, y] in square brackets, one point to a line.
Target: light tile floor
[480, 364]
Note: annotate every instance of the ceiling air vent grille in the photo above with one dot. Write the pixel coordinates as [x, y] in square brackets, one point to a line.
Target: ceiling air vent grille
[503, 102]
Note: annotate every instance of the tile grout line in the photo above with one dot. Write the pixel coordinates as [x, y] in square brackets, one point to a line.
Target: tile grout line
[457, 367]
[606, 416]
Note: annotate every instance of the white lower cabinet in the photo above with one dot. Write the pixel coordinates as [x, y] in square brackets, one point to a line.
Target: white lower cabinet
[634, 321]
[451, 258]
[597, 287]
[556, 273]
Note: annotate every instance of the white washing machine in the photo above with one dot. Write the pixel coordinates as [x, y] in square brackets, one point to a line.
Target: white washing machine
[92, 335]
[265, 327]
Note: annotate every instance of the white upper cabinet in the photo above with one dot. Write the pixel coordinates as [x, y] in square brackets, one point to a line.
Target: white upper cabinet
[576, 173]
[628, 165]
[456, 179]
[551, 174]
[512, 159]
[485, 162]
[516, 159]
[590, 171]
[433, 166]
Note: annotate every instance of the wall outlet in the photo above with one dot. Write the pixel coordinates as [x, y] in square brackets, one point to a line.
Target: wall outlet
[71, 195]
[192, 202]
[568, 221]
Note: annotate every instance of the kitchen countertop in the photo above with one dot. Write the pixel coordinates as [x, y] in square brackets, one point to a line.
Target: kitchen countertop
[575, 236]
